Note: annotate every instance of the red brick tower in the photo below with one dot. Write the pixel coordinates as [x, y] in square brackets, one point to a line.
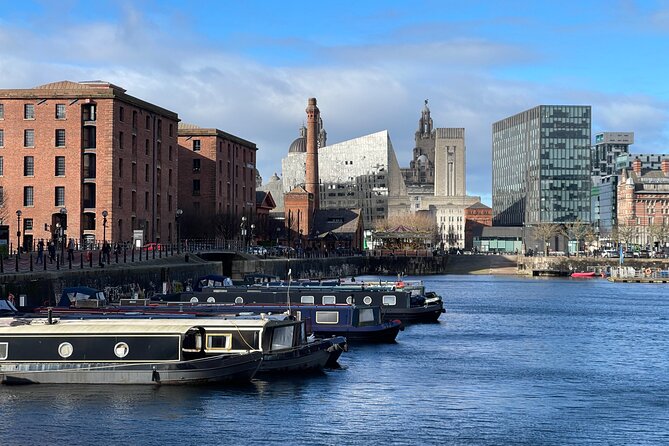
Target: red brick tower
[311, 178]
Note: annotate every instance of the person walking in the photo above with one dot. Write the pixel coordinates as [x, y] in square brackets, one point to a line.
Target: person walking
[40, 251]
[52, 251]
[70, 250]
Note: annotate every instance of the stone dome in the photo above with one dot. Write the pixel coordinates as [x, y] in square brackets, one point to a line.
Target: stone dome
[300, 144]
[422, 159]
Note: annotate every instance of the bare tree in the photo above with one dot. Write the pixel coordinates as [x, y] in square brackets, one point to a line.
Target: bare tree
[577, 231]
[659, 232]
[626, 233]
[546, 231]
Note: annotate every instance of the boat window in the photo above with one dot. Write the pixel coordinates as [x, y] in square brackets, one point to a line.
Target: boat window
[349, 300]
[307, 300]
[4, 349]
[367, 300]
[121, 350]
[366, 315]
[65, 350]
[239, 300]
[211, 299]
[329, 300]
[389, 300]
[219, 342]
[194, 299]
[327, 317]
[192, 341]
[282, 337]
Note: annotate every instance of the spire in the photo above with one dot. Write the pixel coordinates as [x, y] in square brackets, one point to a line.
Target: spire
[425, 122]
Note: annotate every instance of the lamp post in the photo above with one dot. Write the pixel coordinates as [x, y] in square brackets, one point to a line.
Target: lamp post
[253, 227]
[278, 233]
[177, 217]
[63, 224]
[104, 227]
[18, 233]
[243, 226]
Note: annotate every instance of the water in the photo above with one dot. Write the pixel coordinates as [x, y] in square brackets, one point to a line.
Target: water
[513, 361]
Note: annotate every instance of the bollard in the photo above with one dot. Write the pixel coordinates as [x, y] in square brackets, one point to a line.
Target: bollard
[2, 264]
[90, 259]
[160, 253]
[125, 253]
[69, 261]
[116, 254]
[133, 254]
[44, 262]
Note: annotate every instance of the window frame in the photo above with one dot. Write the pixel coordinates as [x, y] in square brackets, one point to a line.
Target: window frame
[210, 336]
[327, 313]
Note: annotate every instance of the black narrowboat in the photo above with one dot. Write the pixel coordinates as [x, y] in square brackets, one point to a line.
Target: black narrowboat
[117, 351]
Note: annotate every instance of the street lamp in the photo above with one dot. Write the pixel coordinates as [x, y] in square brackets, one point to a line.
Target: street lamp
[177, 217]
[18, 233]
[104, 226]
[253, 227]
[63, 225]
[243, 226]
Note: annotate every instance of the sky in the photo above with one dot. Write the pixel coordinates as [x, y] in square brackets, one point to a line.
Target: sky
[248, 67]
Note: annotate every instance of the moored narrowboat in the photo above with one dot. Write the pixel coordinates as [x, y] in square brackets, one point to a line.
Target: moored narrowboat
[118, 351]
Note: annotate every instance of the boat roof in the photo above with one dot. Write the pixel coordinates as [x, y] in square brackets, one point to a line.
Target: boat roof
[119, 325]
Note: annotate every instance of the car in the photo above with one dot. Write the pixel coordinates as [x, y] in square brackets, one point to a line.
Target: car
[153, 246]
[257, 250]
[610, 253]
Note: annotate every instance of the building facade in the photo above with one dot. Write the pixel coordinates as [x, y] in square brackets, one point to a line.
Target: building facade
[87, 161]
[217, 176]
[477, 216]
[421, 170]
[541, 166]
[360, 173]
[643, 205]
[606, 150]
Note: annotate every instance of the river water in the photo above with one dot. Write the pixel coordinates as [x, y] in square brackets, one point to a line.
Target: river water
[513, 361]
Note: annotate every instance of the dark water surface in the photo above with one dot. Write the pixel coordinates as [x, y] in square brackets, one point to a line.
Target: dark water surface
[513, 361]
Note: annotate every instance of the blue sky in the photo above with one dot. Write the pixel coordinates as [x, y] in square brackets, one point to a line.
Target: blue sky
[248, 67]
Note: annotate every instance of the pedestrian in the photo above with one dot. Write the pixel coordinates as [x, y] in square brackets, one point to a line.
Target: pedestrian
[106, 250]
[70, 250]
[52, 251]
[40, 251]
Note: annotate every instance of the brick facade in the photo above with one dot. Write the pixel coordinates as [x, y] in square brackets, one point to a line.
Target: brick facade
[99, 122]
[217, 176]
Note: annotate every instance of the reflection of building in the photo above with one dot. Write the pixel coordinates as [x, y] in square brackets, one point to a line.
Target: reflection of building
[72, 150]
[643, 202]
[217, 175]
[541, 166]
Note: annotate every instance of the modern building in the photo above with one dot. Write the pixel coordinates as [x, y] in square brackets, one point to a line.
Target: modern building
[87, 161]
[649, 161]
[604, 203]
[217, 177]
[360, 173]
[606, 150]
[541, 166]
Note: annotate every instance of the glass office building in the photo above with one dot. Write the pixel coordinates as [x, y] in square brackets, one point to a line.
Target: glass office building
[541, 166]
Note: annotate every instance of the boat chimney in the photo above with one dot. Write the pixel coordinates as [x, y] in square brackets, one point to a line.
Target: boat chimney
[50, 315]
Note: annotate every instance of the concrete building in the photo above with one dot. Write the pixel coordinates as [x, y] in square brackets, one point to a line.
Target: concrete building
[87, 161]
[541, 166]
[643, 205]
[217, 176]
[649, 161]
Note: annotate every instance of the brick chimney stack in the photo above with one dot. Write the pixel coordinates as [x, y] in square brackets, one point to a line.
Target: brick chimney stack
[636, 166]
[665, 166]
[311, 183]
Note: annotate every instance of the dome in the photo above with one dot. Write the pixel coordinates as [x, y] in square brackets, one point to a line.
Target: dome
[299, 145]
[422, 159]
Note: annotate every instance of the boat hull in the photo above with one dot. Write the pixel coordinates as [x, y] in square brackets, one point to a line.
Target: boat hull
[211, 369]
[384, 333]
[414, 315]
